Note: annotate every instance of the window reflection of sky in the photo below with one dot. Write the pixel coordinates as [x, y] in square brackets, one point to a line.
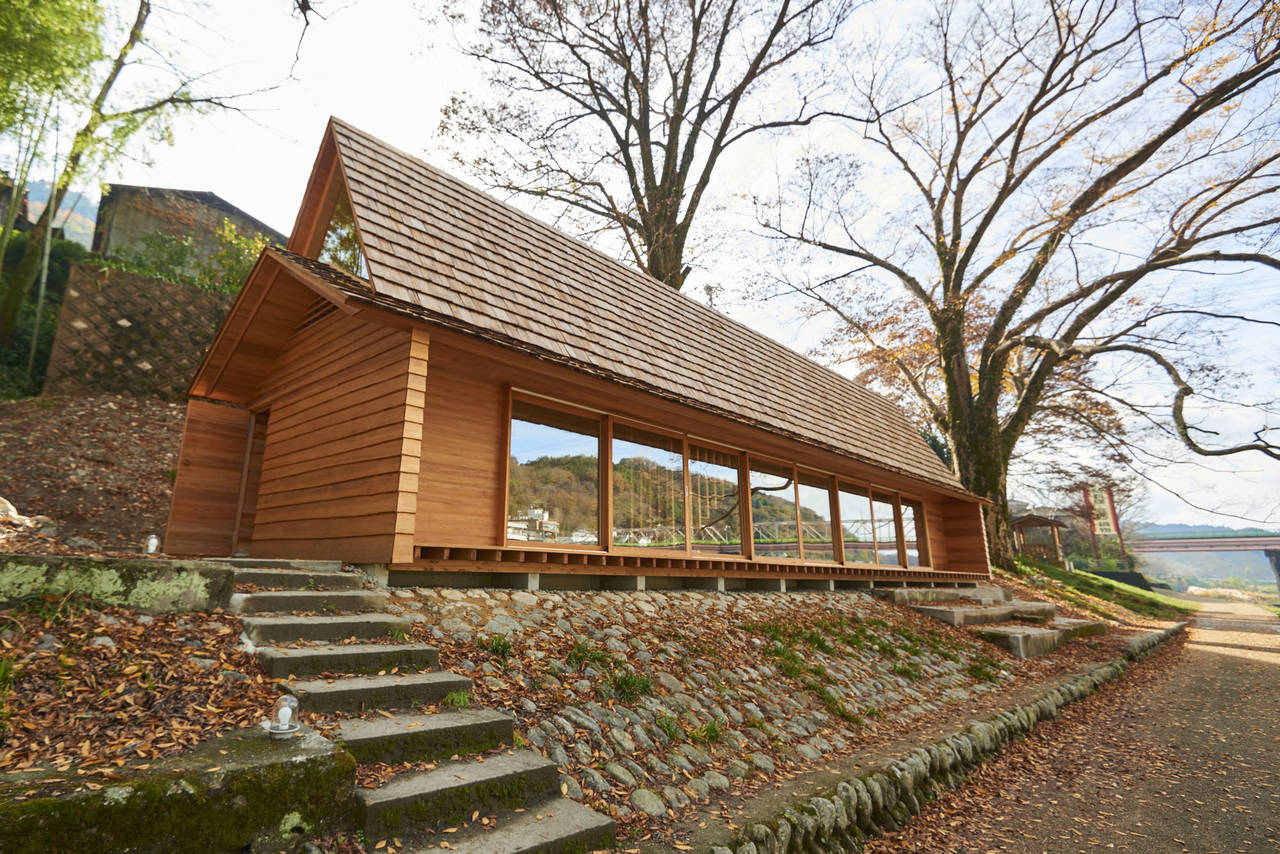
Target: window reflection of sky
[533, 441]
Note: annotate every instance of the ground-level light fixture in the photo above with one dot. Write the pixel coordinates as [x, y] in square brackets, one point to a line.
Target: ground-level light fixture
[282, 724]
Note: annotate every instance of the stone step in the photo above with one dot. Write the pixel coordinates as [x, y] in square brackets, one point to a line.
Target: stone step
[319, 601]
[262, 630]
[347, 658]
[552, 826]
[280, 563]
[298, 579]
[985, 595]
[1033, 641]
[977, 615]
[452, 792]
[410, 738]
[392, 691]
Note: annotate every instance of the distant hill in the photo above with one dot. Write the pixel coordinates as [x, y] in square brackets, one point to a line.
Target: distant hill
[79, 211]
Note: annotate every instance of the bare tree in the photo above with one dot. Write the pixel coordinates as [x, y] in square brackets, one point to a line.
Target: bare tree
[1060, 177]
[620, 110]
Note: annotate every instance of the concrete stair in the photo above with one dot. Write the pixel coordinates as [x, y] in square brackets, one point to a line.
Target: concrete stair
[406, 738]
[283, 629]
[311, 601]
[520, 788]
[923, 595]
[977, 615]
[361, 658]
[363, 693]
[452, 792]
[547, 827]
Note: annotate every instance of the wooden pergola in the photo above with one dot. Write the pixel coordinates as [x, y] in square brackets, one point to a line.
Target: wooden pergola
[1039, 546]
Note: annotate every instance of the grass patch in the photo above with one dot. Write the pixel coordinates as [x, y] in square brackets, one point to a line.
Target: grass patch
[456, 700]
[584, 655]
[397, 633]
[907, 671]
[670, 726]
[984, 668]
[709, 733]
[630, 687]
[497, 646]
[1144, 602]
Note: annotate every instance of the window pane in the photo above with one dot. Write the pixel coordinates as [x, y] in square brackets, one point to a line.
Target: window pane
[886, 531]
[341, 246]
[855, 524]
[913, 533]
[815, 518]
[715, 508]
[553, 494]
[773, 511]
[648, 489]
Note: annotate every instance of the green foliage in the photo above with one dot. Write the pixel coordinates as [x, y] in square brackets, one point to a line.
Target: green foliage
[670, 726]
[397, 633]
[456, 700]
[709, 733]
[14, 353]
[174, 258]
[497, 646]
[1135, 599]
[908, 671]
[46, 48]
[56, 608]
[583, 655]
[984, 668]
[630, 687]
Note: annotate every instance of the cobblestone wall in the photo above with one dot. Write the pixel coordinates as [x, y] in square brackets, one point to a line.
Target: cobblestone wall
[130, 334]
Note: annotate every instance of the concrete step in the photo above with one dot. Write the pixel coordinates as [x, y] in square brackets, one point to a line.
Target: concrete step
[318, 601]
[553, 826]
[1033, 641]
[393, 691]
[281, 563]
[410, 738]
[347, 658]
[300, 579]
[913, 595]
[262, 630]
[977, 615]
[449, 795]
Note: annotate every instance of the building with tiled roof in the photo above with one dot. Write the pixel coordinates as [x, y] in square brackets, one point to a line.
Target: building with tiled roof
[430, 379]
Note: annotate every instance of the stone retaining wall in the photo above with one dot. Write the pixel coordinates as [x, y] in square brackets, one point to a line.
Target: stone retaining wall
[887, 797]
[151, 586]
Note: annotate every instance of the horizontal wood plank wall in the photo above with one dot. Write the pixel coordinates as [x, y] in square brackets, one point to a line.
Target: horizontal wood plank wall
[206, 492]
[334, 467]
[965, 536]
[253, 477]
[463, 465]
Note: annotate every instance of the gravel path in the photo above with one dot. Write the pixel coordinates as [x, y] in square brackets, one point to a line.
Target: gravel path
[1179, 755]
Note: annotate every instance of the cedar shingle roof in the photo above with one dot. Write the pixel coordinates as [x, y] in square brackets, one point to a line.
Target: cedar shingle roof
[441, 250]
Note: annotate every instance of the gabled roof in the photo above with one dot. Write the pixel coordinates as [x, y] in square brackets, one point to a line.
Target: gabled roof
[442, 251]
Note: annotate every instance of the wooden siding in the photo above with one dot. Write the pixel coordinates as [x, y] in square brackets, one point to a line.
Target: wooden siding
[252, 479]
[206, 493]
[462, 496]
[339, 468]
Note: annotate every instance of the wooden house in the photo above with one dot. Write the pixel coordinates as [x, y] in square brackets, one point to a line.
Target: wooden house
[429, 379]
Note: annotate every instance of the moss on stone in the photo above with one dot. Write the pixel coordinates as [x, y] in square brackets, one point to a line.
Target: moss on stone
[153, 586]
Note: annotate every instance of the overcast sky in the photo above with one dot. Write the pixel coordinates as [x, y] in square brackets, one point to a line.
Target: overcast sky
[378, 65]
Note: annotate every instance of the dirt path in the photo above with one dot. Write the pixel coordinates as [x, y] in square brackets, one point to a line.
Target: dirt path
[1179, 755]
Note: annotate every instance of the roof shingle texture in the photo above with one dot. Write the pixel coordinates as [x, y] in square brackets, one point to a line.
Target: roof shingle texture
[451, 254]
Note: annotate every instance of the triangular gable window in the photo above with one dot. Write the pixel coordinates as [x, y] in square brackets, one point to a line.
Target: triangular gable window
[341, 247]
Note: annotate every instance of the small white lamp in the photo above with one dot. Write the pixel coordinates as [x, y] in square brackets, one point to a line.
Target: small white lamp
[282, 718]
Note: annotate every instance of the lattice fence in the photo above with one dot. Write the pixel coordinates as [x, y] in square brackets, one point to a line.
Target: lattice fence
[130, 334]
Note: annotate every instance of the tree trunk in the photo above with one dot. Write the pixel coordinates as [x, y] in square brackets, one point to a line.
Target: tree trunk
[983, 467]
[26, 272]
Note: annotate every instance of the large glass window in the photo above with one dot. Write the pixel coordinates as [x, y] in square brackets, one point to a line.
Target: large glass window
[855, 525]
[648, 489]
[715, 508]
[553, 491]
[886, 521]
[815, 518]
[913, 534]
[773, 511]
[341, 246]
